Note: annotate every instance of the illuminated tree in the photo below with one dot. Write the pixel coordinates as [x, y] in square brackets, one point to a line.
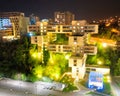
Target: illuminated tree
[38, 71]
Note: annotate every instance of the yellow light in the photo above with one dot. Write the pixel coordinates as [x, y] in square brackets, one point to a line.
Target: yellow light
[78, 24]
[104, 44]
[34, 55]
[56, 76]
[108, 79]
[67, 57]
[75, 42]
[38, 71]
[39, 75]
[99, 62]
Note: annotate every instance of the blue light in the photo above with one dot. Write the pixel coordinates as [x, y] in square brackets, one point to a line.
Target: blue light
[95, 80]
[30, 34]
[5, 23]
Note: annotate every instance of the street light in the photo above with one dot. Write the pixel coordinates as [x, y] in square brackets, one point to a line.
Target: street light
[99, 62]
[104, 45]
[36, 89]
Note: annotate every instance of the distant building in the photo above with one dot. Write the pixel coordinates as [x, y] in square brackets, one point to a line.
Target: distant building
[33, 19]
[64, 17]
[13, 24]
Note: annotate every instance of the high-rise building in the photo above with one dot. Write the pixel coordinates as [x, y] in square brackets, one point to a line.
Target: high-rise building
[64, 17]
[13, 23]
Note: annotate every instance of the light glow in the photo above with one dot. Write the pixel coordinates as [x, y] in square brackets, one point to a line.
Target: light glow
[104, 44]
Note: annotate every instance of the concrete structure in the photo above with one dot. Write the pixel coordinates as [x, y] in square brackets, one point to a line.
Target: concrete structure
[64, 17]
[13, 24]
[101, 69]
[74, 40]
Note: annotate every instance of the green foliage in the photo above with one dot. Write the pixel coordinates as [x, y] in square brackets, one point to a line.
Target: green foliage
[32, 78]
[46, 79]
[56, 66]
[14, 57]
[103, 54]
[61, 39]
[46, 56]
[69, 81]
[107, 88]
[38, 71]
[116, 69]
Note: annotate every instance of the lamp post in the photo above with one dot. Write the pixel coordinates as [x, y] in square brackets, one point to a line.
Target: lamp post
[36, 89]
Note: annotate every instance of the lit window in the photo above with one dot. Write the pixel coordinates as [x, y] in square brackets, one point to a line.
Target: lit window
[73, 30]
[41, 24]
[82, 30]
[57, 16]
[75, 42]
[81, 27]
[74, 27]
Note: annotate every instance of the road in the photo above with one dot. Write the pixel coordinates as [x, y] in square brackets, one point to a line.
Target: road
[9, 87]
[115, 87]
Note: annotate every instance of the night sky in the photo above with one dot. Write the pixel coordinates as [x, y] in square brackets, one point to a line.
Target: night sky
[83, 9]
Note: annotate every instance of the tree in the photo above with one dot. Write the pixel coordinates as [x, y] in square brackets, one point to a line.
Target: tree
[117, 68]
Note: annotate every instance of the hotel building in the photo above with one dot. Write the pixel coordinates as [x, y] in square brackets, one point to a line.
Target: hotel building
[75, 40]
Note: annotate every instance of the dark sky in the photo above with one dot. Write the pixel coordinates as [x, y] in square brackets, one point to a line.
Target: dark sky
[83, 9]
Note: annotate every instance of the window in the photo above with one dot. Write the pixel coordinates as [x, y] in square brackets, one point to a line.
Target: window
[75, 38]
[75, 62]
[77, 71]
[35, 37]
[93, 69]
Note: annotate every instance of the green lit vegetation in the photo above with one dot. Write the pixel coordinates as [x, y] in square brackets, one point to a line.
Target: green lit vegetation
[102, 57]
[106, 57]
[61, 39]
[107, 87]
[24, 59]
[69, 81]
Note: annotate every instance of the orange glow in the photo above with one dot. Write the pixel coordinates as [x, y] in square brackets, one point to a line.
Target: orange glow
[108, 24]
[114, 30]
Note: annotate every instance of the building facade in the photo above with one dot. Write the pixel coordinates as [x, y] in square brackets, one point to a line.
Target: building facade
[74, 39]
[13, 24]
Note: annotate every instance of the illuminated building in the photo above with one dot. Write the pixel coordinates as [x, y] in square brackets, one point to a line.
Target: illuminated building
[6, 27]
[64, 17]
[74, 40]
[13, 24]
